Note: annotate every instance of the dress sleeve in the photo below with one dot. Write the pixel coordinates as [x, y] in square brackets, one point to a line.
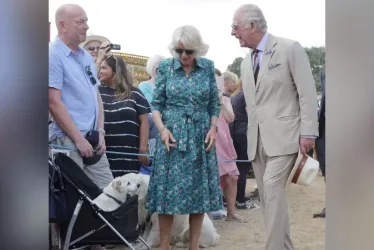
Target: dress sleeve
[159, 94]
[213, 105]
[142, 106]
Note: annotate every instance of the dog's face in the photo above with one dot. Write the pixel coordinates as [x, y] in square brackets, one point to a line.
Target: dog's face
[142, 182]
[125, 186]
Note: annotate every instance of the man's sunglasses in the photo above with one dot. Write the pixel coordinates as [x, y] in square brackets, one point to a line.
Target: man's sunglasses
[89, 73]
[187, 51]
[92, 48]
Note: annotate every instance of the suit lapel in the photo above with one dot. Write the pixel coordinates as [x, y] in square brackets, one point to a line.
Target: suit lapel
[249, 71]
[266, 57]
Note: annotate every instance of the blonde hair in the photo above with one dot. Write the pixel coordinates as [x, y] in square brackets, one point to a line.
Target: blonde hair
[238, 88]
[230, 76]
[191, 38]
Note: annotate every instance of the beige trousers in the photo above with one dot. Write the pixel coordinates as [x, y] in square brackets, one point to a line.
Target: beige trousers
[99, 173]
[271, 175]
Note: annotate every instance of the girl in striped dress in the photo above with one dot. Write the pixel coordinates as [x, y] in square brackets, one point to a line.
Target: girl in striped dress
[126, 117]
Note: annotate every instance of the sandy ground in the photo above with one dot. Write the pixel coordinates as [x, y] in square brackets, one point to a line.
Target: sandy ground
[307, 232]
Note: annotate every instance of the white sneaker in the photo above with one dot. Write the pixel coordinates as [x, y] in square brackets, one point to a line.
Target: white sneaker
[217, 215]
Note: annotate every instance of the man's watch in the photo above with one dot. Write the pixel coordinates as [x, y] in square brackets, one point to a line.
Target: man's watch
[101, 130]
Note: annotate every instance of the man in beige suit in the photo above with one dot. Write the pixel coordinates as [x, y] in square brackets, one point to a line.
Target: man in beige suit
[282, 109]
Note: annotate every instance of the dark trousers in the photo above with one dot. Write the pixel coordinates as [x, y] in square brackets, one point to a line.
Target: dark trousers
[321, 154]
[240, 145]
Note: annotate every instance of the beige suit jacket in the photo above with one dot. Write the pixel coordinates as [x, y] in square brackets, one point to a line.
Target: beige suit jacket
[282, 105]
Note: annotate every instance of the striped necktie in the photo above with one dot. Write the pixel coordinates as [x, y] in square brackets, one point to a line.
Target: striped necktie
[256, 64]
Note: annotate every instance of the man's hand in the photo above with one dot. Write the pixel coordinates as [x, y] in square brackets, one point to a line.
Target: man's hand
[84, 147]
[144, 161]
[101, 146]
[306, 144]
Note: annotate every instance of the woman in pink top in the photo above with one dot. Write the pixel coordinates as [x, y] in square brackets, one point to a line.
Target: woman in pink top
[228, 170]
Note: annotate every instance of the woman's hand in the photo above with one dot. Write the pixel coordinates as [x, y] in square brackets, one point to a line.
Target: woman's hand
[103, 51]
[167, 139]
[211, 138]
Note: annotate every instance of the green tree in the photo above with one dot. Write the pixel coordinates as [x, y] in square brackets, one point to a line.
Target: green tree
[235, 66]
[317, 63]
[316, 58]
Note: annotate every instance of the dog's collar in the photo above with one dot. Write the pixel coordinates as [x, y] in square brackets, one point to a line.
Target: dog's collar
[148, 218]
[114, 198]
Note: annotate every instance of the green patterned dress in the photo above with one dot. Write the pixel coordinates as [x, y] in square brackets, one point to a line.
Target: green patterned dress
[186, 180]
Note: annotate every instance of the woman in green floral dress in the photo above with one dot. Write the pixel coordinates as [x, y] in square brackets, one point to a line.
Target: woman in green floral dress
[185, 178]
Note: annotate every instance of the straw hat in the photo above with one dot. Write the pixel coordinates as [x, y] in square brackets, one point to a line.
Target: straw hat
[90, 38]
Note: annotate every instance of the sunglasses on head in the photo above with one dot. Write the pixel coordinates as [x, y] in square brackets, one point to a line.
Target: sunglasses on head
[187, 51]
[89, 73]
[92, 48]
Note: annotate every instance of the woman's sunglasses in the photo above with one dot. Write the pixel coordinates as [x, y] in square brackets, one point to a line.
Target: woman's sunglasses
[92, 48]
[187, 51]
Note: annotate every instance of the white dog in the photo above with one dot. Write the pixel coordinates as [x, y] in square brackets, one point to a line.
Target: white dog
[116, 193]
[208, 236]
[180, 227]
[181, 232]
[142, 181]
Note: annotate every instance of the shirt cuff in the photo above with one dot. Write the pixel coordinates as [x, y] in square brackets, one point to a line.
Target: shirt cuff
[308, 136]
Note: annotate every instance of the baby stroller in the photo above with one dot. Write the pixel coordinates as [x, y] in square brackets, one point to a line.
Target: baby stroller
[88, 224]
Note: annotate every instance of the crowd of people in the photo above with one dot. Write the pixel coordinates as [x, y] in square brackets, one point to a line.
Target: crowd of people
[206, 130]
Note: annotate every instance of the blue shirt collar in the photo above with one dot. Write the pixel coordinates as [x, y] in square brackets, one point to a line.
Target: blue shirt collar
[67, 51]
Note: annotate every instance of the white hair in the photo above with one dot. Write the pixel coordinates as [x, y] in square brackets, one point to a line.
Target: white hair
[230, 76]
[153, 63]
[190, 37]
[253, 14]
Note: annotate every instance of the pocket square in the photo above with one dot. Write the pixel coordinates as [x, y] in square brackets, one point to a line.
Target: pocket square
[273, 65]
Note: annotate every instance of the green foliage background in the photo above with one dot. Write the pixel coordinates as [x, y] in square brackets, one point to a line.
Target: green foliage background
[316, 58]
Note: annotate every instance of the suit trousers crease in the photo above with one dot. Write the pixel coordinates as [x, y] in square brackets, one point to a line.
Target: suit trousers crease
[271, 175]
